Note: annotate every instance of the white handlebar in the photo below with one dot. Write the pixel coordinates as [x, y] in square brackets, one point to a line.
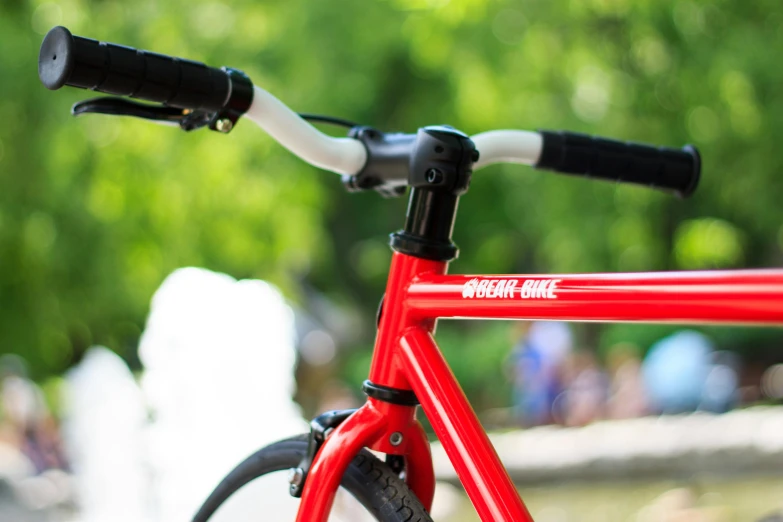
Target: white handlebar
[507, 146]
[341, 155]
[348, 156]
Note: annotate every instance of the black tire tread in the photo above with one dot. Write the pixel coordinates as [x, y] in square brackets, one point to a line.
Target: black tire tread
[384, 494]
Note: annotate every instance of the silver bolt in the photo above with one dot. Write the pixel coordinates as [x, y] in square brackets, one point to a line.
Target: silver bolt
[295, 476]
[224, 125]
[395, 438]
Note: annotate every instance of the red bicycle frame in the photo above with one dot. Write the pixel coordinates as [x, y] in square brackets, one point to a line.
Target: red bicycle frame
[406, 357]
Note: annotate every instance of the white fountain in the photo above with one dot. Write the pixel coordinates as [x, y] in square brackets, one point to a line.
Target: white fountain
[104, 436]
[219, 376]
[218, 357]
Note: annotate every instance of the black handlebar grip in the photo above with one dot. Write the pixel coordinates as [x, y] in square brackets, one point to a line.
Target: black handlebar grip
[114, 69]
[674, 170]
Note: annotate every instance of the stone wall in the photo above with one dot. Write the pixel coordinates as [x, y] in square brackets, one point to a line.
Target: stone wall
[748, 441]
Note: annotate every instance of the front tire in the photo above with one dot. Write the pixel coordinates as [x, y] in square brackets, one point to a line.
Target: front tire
[369, 480]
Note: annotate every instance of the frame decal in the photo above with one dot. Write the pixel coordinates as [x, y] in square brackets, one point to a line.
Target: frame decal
[507, 288]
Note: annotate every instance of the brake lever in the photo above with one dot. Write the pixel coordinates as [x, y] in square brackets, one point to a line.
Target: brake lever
[186, 119]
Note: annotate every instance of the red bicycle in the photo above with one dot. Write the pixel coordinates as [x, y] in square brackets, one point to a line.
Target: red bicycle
[407, 367]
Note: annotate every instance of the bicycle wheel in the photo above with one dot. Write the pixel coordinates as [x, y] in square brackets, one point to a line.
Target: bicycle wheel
[369, 480]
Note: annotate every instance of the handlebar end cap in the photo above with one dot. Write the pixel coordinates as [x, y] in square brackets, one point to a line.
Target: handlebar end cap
[56, 61]
[696, 172]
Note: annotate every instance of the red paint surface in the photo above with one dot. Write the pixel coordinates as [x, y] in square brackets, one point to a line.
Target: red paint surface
[420, 475]
[333, 459]
[474, 458]
[735, 297]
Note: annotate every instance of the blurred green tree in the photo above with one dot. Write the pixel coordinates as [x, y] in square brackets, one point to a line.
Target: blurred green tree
[94, 213]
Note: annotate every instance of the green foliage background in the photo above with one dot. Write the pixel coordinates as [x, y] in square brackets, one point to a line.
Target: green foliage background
[95, 212]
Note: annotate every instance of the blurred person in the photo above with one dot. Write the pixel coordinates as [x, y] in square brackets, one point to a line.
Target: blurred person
[14, 468]
[721, 390]
[751, 387]
[627, 394]
[586, 388]
[676, 370]
[26, 422]
[535, 363]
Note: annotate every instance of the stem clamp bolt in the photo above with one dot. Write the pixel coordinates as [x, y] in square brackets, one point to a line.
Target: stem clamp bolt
[433, 176]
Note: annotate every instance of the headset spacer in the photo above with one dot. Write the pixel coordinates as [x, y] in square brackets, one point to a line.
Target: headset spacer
[391, 395]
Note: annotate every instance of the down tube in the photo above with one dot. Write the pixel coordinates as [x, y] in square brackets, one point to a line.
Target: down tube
[455, 423]
[727, 296]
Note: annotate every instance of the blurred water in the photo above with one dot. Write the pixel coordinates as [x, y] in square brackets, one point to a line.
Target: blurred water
[104, 437]
[218, 358]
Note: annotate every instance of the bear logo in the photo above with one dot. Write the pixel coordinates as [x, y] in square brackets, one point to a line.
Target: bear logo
[469, 289]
